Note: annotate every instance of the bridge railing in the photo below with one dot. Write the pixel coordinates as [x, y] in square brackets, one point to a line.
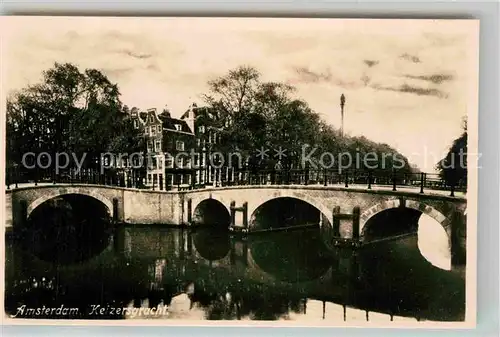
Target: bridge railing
[84, 176]
[202, 178]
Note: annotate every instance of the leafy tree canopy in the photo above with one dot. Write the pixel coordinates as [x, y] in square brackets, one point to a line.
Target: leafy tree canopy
[69, 111]
[254, 114]
[453, 167]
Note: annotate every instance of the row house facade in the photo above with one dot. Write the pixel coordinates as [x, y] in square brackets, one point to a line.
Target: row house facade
[204, 124]
[178, 150]
[178, 147]
[169, 142]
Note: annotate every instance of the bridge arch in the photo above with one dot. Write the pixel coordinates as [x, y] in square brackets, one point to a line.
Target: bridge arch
[276, 210]
[67, 225]
[78, 191]
[211, 211]
[197, 200]
[289, 193]
[413, 204]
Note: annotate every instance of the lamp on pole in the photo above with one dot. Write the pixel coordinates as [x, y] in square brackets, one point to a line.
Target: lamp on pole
[342, 103]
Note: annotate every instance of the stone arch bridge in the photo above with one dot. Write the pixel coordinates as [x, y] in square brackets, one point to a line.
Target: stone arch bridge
[348, 208]
[370, 202]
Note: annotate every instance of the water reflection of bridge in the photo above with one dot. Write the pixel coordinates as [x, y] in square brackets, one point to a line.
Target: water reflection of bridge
[272, 276]
[206, 258]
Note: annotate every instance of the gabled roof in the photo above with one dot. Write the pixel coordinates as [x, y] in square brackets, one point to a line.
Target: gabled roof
[199, 111]
[186, 114]
[169, 124]
[167, 121]
[143, 116]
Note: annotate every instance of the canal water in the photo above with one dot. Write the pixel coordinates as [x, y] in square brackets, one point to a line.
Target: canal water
[208, 274]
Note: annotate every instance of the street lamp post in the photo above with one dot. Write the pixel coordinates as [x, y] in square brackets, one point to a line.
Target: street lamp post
[342, 103]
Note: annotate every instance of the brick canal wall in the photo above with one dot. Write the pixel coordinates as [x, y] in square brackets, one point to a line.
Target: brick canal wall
[149, 207]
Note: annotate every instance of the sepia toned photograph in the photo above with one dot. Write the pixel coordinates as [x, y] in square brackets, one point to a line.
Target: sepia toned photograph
[239, 171]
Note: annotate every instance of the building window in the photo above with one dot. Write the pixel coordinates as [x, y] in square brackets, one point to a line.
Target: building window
[150, 146]
[178, 127]
[179, 145]
[180, 162]
[153, 130]
[212, 137]
[149, 178]
[135, 161]
[157, 146]
[198, 142]
[159, 128]
[169, 161]
[201, 129]
[160, 163]
[122, 162]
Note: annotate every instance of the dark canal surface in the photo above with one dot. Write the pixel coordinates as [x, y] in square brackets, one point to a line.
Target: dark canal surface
[207, 274]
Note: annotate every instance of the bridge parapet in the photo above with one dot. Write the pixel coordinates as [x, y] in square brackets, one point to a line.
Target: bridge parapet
[367, 178]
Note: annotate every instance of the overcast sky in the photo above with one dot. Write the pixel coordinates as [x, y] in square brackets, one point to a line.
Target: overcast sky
[407, 83]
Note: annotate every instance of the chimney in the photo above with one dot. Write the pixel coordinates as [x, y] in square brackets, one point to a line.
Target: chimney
[190, 115]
